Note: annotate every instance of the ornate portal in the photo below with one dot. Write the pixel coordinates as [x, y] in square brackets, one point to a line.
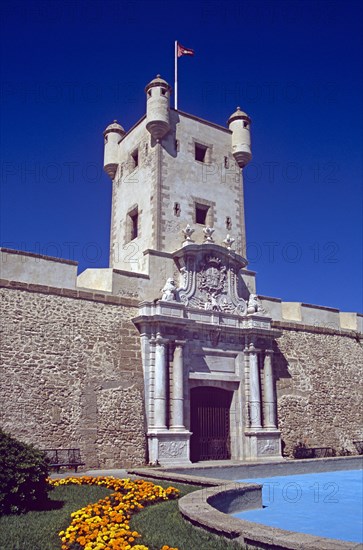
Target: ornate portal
[205, 332]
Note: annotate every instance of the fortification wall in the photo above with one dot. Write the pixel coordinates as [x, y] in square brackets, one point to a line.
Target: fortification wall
[71, 370]
[319, 386]
[71, 373]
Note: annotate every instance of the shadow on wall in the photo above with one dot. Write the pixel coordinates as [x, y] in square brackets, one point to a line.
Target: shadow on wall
[281, 366]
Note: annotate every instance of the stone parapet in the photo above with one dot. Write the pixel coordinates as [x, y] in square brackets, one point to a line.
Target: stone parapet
[26, 267]
[309, 315]
[288, 325]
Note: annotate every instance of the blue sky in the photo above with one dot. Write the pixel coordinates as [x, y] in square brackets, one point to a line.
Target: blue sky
[69, 68]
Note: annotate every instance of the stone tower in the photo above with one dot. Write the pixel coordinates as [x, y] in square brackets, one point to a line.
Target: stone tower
[172, 170]
[178, 246]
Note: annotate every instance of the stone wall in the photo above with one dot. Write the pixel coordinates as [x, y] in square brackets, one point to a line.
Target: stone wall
[71, 373]
[319, 387]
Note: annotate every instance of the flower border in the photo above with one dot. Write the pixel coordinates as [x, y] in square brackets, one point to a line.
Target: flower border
[104, 525]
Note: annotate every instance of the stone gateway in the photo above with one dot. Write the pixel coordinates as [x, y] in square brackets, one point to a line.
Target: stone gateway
[170, 355]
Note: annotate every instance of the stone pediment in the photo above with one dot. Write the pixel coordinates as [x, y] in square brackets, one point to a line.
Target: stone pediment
[210, 279]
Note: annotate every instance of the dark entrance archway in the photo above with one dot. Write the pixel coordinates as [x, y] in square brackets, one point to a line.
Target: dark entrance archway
[209, 419]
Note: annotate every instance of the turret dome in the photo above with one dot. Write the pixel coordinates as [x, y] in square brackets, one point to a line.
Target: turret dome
[158, 81]
[238, 114]
[114, 127]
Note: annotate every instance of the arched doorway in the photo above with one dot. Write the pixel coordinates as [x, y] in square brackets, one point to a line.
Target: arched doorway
[209, 419]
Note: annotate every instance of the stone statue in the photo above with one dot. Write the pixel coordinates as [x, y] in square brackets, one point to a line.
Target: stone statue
[169, 290]
[254, 304]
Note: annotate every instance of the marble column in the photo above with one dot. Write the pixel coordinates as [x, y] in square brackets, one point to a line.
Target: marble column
[255, 391]
[269, 404]
[177, 397]
[160, 390]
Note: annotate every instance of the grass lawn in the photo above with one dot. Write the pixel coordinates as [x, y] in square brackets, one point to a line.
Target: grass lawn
[163, 524]
[158, 524]
[39, 530]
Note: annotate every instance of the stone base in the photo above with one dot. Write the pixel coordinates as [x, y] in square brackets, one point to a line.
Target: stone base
[263, 444]
[169, 448]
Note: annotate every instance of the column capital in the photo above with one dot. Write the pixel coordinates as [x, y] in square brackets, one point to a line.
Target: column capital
[180, 343]
[251, 348]
[161, 341]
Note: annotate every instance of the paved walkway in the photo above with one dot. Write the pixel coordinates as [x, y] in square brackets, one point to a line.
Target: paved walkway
[119, 473]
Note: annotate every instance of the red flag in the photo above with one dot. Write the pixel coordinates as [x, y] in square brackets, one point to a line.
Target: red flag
[184, 51]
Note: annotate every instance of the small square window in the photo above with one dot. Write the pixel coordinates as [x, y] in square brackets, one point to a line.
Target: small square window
[135, 158]
[201, 152]
[133, 224]
[201, 211]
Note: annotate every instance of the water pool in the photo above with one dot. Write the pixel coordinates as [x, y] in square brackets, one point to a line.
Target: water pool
[327, 504]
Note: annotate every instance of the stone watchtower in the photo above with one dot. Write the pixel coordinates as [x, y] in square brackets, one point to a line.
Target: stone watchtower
[178, 245]
[171, 170]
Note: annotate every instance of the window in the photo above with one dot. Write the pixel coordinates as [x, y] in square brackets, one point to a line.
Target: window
[201, 211]
[163, 91]
[177, 209]
[135, 158]
[201, 152]
[133, 224]
[228, 223]
[226, 162]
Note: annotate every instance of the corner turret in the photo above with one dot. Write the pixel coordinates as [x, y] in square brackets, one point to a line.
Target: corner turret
[239, 124]
[113, 136]
[158, 107]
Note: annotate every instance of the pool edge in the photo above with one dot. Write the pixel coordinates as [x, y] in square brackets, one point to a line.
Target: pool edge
[197, 508]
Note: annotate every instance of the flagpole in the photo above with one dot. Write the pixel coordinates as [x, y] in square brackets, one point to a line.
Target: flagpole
[176, 76]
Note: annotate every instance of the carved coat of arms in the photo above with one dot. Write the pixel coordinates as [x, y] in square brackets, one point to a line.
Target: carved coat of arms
[211, 282]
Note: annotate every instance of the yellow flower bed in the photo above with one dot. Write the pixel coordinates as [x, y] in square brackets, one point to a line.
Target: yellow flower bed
[105, 524]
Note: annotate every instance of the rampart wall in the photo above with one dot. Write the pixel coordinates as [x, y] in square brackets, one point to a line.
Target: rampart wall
[71, 373]
[319, 386]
